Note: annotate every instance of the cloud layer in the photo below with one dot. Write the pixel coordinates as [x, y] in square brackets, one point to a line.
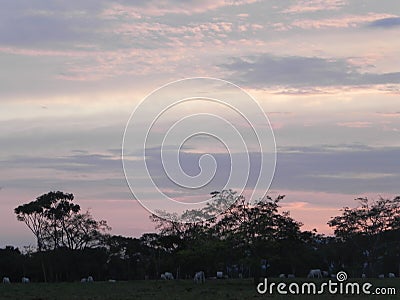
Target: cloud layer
[266, 70]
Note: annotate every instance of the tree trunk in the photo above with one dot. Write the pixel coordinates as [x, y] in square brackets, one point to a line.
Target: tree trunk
[39, 244]
[43, 267]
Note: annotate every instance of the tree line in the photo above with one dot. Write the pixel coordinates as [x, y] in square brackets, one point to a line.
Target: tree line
[249, 239]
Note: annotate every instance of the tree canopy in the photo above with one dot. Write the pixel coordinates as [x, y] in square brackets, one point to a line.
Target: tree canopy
[372, 231]
[58, 222]
[246, 238]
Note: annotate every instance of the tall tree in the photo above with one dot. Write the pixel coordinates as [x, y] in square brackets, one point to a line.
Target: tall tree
[45, 216]
[58, 208]
[368, 226]
[57, 222]
[32, 214]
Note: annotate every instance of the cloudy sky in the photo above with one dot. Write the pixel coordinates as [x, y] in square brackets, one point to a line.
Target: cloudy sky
[326, 73]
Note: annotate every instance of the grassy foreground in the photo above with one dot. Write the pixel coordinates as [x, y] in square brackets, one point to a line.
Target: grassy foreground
[178, 289]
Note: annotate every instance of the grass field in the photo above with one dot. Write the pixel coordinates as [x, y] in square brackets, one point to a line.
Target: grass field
[178, 289]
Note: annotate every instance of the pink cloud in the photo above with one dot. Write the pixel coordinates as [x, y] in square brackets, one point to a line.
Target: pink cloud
[280, 26]
[389, 114]
[277, 125]
[161, 8]
[366, 61]
[88, 65]
[303, 6]
[44, 52]
[357, 124]
[342, 22]
[147, 29]
[117, 11]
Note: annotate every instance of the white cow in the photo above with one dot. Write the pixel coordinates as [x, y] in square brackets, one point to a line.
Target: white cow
[314, 273]
[6, 280]
[220, 275]
[169, 276]
[163, 277]
[112, 281]
[380, 276]
[391, 275]
[199, 277]
[291, 276]
[25, 280]
[282, 276]
[90, 279]
[83, 280]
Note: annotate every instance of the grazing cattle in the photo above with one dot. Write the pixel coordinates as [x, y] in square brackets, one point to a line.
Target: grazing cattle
[169, 276]
[25, 280]
[220, 275]
[365, 265]
[380, 276]
[314, 273]
[363, 275]
[331, 267]
[199, 277]
[6, 280]
[325, 274]
[291, 276]
[163, 277]
[282, 276]
[90, 279]
[83, 280]
[112, 281]
[391, 275]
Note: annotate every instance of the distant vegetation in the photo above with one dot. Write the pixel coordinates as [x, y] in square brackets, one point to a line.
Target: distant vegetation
[249, 240]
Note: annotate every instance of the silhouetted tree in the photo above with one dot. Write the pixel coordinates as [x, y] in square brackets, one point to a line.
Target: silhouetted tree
[45, 215]
[60, 228]
[372, 229]
[237, 231]
[57, 222]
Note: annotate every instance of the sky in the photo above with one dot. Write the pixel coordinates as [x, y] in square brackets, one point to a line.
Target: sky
[325, 73]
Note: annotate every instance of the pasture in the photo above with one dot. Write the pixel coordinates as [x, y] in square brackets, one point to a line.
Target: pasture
[174, 289]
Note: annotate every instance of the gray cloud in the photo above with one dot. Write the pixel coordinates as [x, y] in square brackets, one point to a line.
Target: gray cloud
[324, 171]
[386, 23]
[92, 176]
[40, 22]
[36, 30]
[81, 163]
[347, 169]
[324, 148]
[297, 71]
[342, 168]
